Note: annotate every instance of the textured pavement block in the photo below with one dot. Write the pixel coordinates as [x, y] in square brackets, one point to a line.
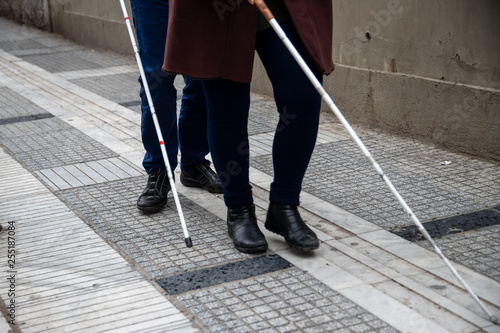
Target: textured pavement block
[212, 276]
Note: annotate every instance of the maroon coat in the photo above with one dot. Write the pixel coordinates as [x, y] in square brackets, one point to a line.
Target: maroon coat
[216, 38]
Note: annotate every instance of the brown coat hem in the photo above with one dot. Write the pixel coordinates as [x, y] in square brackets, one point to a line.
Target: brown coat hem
[213, 39]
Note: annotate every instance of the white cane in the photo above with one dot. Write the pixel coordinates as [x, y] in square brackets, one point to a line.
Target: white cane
[157, 126]
[324, 95]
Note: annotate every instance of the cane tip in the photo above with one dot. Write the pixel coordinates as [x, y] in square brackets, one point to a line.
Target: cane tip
[494, 319]
[188, 242]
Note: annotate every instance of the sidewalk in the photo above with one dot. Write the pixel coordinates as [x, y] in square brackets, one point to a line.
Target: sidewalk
[86, 260]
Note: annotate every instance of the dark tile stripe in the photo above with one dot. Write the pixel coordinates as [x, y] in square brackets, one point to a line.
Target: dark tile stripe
[129, 104]
[212, 276]
[451, 225]
[21, 119]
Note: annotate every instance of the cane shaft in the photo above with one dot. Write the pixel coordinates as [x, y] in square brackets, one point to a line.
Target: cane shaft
[157, 126]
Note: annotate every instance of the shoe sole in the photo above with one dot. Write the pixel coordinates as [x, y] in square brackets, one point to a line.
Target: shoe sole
[210, 189]
[152, 209]
[251, 249]
[268, 225]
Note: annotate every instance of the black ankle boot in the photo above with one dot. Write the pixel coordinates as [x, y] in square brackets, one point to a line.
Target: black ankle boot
[285, 220]
[243, 230]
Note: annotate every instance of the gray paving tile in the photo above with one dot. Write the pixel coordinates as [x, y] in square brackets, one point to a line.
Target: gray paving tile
[13, 105]
[79, 174]
[95, 176]
[229, 272]
[54, 179]
[20, 44]
[451, 225]
[154, 241]
[47, 143]
[239, 307]
[68, 177]
[478, 250]
[339, 174]
[264, 115]
[21, 119]
[119, 88]
[70, 287]
[72, 60]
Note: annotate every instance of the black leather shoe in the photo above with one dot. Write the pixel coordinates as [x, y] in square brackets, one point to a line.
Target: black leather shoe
[285, 220]
[243, 230]
[202, 176]
[154, 196]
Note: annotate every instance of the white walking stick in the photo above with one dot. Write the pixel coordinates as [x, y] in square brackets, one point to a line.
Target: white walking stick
[281, 34]
[157, 126]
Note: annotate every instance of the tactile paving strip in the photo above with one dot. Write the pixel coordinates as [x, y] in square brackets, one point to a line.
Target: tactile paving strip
[14, 106]
[239, 270]
[476, 249]
[451, 225]
[285, 301]
[154, 241]
[22, 119]
[47, 143]
[264, 116]
[21, 44]
[339, 173]
[112, 87]
[119, 88]
[288, 300]
[76, 59]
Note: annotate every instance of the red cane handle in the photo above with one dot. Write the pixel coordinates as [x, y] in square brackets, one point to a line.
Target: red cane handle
[264, 9]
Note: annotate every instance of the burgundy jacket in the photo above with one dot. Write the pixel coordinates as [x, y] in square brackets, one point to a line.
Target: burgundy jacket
[216, 38]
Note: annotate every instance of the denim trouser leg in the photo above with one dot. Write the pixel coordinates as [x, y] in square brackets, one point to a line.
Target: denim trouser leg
[193, 142]
[151, 22]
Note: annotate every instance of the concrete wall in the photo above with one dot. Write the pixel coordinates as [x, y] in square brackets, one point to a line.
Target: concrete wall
[30, 12]
[98, 23]
[426, 69]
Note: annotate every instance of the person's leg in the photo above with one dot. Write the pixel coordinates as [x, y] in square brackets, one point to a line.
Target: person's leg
[299, 105]
[228, 105]
[193, 141]
[150, 21]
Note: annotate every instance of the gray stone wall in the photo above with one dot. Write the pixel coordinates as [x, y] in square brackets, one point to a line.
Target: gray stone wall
[30, 12]
[98, 23]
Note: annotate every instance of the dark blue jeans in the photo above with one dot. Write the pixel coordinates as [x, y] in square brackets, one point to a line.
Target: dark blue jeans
[151, 21]
[298, 104]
